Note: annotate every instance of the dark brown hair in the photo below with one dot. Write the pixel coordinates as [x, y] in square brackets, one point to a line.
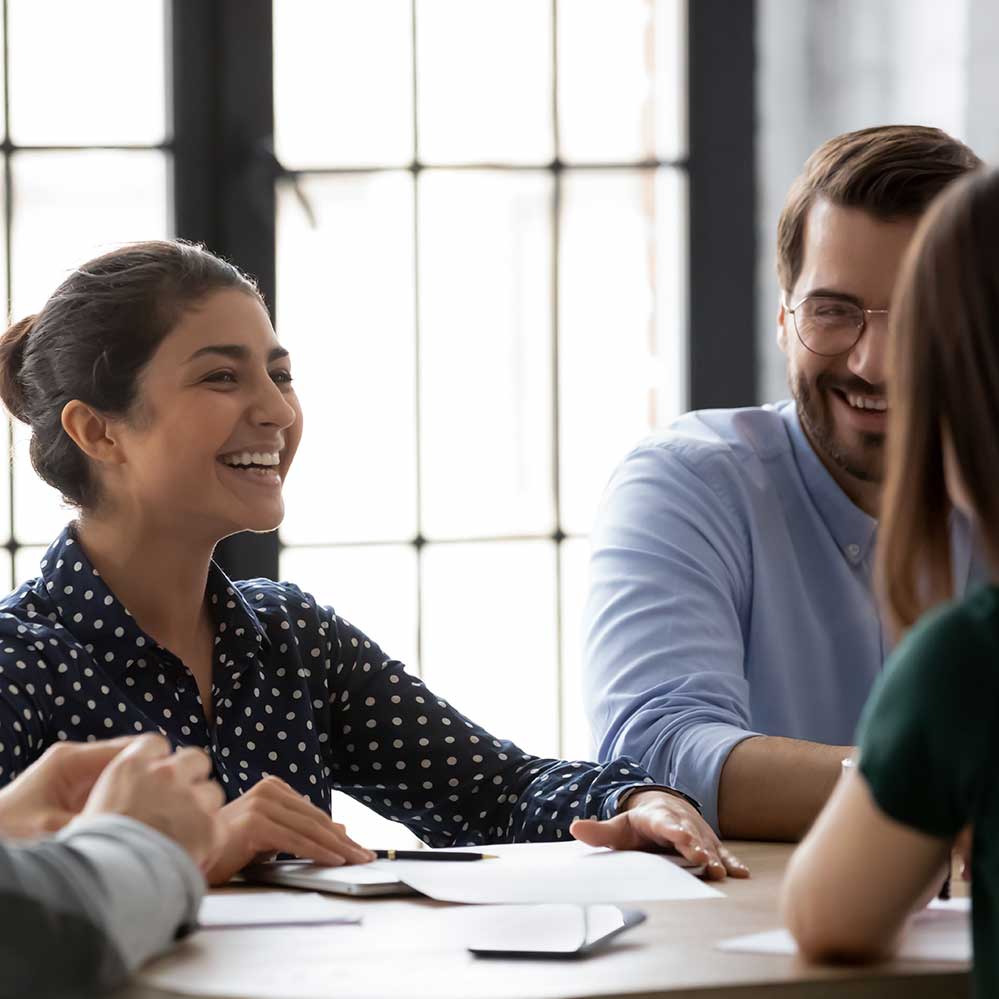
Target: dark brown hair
[92, 340]
[944, 378]
[892, 172]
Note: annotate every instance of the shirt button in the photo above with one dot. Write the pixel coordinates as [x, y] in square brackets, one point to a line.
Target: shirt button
[853, 551]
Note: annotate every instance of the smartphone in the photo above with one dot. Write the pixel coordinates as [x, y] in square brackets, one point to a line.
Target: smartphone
[547, 931]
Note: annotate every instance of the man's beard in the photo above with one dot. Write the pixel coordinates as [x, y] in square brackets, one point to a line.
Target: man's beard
[865, 461]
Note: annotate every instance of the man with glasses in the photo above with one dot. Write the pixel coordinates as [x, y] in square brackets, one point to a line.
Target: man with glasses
[732, 631]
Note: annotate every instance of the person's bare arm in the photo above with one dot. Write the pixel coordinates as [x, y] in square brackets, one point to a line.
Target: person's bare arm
[856, 877]
[773, 788]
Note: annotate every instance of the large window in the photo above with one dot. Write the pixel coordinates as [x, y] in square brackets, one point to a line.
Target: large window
[481, 277]
[86, 164]
[483, 213]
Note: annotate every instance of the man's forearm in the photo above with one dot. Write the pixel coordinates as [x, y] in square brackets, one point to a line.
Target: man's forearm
[103, 896]
[773, 788]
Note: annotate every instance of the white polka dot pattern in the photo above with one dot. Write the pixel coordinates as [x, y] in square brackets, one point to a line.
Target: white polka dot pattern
[297, 691]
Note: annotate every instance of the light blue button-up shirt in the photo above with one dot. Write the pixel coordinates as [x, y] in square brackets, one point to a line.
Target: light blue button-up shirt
[730, 595]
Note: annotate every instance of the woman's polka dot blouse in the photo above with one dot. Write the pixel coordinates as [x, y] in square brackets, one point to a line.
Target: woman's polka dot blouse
[298, 692]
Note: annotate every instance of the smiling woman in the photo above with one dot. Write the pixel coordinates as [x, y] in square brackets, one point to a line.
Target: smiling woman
[161, 404]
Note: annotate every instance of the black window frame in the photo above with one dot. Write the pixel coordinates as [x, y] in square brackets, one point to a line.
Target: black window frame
[221, 97]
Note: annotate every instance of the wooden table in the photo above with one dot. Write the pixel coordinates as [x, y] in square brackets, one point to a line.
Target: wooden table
[411, 948]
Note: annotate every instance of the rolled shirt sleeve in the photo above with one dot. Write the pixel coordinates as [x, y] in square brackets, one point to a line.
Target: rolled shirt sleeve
[670, 580]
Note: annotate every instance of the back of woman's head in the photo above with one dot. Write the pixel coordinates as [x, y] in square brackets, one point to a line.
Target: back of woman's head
[943, 379]
[91, 341]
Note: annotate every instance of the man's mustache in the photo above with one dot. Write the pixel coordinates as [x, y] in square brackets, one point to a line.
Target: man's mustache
[850, 386]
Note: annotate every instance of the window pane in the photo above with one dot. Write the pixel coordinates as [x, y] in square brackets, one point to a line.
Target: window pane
[671, 78]
[345, 311]
[489, 638]
[577, 741]
[26, 563]
[621, 79]
[3, 102]
[485, 360]
[485, 81]
[368, 828]
[68, 207]
[622, 358]
[372, 586]
[87, 73]
[343, 82]
[5, 563]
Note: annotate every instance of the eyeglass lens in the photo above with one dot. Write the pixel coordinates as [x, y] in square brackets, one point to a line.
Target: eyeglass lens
[828, 325]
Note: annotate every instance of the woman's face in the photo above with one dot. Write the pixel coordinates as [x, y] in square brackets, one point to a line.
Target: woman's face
[215, 426]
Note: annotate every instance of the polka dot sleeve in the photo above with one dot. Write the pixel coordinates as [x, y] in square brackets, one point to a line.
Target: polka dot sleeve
[410, 756]
[22, 729]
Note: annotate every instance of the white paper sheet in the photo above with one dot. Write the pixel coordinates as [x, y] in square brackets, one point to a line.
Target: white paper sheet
[941, 932]
[271, 908]
[551, 872]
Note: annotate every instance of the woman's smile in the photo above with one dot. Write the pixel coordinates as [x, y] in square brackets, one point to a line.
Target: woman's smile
[259, 465]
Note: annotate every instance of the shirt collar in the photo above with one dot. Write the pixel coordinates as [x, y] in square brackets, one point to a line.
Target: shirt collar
[853, 530]
[87, 608]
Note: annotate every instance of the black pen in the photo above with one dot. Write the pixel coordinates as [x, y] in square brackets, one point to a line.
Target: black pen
[431, 855]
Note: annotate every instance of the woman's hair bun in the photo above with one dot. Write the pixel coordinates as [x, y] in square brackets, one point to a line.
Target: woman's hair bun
[12, 346]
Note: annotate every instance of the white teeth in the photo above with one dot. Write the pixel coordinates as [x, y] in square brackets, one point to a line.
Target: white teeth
[866, 402]
[252, 458]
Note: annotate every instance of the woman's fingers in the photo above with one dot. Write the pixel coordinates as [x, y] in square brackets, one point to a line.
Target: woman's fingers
[334, 833]
[704, 847]
[287, 807]
[658, 819]
[733, 865]
[285, 839]
[272, 818]
[615, 833]
[692, 844]
[315, 826]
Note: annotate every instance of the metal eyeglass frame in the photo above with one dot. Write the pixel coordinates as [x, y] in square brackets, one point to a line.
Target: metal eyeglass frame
[860, 329]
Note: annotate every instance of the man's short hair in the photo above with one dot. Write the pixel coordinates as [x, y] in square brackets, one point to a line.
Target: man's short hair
[892, 172]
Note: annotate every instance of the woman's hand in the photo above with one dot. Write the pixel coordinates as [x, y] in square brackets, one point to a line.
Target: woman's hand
[656, 819]
[272, 818]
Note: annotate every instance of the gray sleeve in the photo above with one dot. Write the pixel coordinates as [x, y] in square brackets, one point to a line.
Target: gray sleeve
[79, 912]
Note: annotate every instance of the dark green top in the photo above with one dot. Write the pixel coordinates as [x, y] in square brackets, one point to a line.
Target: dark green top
[928, 740]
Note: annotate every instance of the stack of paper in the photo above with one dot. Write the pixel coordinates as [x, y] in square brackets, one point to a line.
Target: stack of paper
[552, 872]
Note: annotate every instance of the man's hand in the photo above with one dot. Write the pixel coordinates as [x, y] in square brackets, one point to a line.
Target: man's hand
[54, 788]
[274, 818]
[172, 793]
[653, 819]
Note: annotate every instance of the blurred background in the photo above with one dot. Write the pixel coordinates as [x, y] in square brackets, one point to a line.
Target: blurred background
[503, 240]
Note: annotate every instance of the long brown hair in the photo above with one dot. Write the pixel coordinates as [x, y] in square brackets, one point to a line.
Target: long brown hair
[943, 377]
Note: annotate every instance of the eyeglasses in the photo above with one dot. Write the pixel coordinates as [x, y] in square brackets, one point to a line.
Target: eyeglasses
[830, 326]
